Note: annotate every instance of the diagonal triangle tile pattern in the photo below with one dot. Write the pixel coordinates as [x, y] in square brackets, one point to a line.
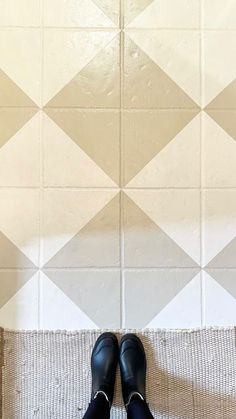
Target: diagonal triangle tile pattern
[151, 88]
[96, 244]
[86, 91]
[146, 244]
[84, 127]
[122, 185]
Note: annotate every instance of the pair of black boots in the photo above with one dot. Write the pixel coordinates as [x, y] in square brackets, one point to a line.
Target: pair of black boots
[132, 360]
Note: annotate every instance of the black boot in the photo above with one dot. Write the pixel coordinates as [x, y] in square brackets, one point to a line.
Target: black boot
[132, 361]
[104, 361]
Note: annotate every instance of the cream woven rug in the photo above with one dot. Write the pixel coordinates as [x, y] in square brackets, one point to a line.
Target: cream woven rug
[191, 374]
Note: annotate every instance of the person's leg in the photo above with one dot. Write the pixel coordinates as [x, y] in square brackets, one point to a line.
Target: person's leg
[138, 409]
[104, 361]
[98, 408]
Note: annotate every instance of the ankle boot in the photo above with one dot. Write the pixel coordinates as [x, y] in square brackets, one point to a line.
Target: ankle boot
[104, 361]
[132, 362]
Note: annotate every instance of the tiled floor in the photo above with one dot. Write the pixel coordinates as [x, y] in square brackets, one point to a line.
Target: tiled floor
[117, 163]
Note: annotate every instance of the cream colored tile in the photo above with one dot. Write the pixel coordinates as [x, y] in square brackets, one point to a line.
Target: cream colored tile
[169, 14]
[218, 172]
[20, 58]
[20, 156]
[75, 13]
[219, 62]
[219, 221]
[176, 52]
[65, 213]
[19, 219]
[66, 52]
[218, 15]
[20, 13]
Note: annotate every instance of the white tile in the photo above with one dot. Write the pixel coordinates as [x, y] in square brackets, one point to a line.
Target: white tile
[20, 58]
[21, 311]
[177, 53]
[177, 164]
[218, 15]
[20, 13]
[169, 14]
[66, 164]
[65, 212]
[74, 13]
[184, 311]
[219, 221]
[219, 155]
[219, 62]
[66, 52]
[19, 219]
[219, 304]
[20, 156]
[177, 212]
[57, 311]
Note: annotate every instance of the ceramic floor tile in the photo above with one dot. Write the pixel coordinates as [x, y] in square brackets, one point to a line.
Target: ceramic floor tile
[177, 53]
[19, 299]
[219, 225]
[152, 291]
[88, 290]
[162, 14]
[151, 87]
[150, 139]
[176, 213]
[21, 60]
[20, 156]
[19, 221]
[218, 17]
[67, 164]
[219, 298]
[23, 13]
[111, 8]
[85, 90]
[218, 172]
[66, 53]
[65, 213]
[96, 244]
[219, 63]
[147, 244]
[93, 131]
[74, 13]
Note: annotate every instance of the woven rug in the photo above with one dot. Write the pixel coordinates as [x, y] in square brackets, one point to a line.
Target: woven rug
[191, 373]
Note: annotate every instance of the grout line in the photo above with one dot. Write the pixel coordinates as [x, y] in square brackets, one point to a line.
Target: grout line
[41, 164]
[122, 296]
[202, 95]
[112, 28]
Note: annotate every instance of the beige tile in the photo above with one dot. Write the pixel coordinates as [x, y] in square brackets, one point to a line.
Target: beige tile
[97, 84]
[12, 119]
[11, 94]
[177, 53]
[66, 53]
[134, 8]
[96, 244]
[146, 133]
[96, 293]
[146, 85]
[11, 282]
[111, 8]
[20, 59]
[226, 119]
[94, 131]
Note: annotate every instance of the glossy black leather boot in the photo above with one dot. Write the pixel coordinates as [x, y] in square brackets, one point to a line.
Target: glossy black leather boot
[132, 361]
[104, 361]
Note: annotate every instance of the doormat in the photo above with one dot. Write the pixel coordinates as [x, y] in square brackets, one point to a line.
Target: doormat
[191, 373]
